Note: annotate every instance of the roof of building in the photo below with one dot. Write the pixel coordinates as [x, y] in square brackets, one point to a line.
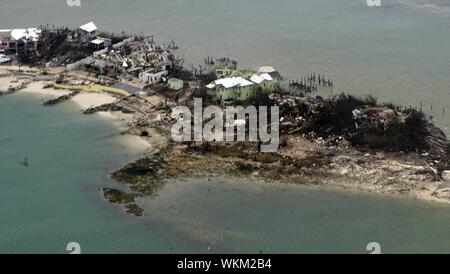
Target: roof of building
[267, 77]
[89, 27]
[30, 33]
[211, 85]
[245, 83]
[97, 41]
[257, 79]
[233, 82]
[266, 69]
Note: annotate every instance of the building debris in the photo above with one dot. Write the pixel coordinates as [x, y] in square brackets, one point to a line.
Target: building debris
[5, 59]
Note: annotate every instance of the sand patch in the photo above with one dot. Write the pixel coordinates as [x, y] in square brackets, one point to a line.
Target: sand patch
[5, 81]
[87, 100]
[38, 88]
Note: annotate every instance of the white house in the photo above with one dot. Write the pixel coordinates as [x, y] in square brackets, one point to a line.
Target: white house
[89, 28]
[83, 34]
[101, 43]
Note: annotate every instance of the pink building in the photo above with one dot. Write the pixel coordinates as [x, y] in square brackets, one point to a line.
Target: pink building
[12, 40]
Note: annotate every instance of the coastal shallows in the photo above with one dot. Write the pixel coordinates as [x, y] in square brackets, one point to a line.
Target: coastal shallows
[343, 140]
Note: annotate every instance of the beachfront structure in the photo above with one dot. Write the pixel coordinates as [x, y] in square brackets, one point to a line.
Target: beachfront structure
[12, 40]
[175, 84]
[101, 43]
[271, 71]
[231, 89]
[265, 82]
[83, 34]
[87, 31]
[242, 85]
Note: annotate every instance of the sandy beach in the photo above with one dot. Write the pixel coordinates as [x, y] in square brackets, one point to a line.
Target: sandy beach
[83, 101]
[5, 82]
[378, 174]
[38, 88]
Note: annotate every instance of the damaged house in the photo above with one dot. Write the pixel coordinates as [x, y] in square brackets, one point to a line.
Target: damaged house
[243, 87]
[266, 82]
[82, 34]
[229, 90]
[153, 76]
[152, 62]
[131, 58]
[12, 40]
[101, 43]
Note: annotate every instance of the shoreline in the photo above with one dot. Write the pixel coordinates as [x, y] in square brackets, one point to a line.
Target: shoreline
[84, 101]
[340, 176]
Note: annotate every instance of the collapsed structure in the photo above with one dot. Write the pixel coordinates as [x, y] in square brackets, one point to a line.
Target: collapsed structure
[132, 58]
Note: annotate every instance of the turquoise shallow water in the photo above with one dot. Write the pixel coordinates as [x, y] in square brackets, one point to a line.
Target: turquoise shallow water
[254, 217]
[55, 201]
